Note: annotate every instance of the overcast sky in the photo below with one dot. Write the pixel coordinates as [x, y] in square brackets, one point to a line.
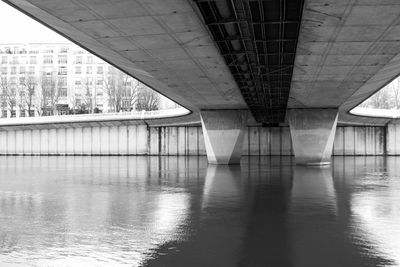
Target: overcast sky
[16, 27]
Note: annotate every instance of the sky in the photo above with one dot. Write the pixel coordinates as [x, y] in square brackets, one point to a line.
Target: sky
[23, 29]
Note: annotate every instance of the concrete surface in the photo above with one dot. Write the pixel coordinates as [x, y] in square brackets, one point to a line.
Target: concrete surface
[379, 80]
[138, 139]
[223, 132]
[346, 50]
[342, 46]
[313, 133]
[161, 43]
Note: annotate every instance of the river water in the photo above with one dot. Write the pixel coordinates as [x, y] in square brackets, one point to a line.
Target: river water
[177, 211]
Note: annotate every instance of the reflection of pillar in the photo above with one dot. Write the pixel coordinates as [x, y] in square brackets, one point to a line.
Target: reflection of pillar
[215, 226]
[316, 236]
[313, 133]
[313, 187]
[221, 185]
[223, 135]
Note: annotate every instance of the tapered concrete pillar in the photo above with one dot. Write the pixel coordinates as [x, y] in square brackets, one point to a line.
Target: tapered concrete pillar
[313, 133]
[223, 135]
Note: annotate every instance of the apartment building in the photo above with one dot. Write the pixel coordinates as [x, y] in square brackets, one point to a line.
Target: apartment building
[75, 79]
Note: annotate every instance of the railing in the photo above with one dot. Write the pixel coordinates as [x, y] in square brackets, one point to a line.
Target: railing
[134, 115]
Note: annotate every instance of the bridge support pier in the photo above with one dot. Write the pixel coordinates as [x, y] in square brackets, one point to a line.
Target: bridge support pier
[313, 132]
[223, 132]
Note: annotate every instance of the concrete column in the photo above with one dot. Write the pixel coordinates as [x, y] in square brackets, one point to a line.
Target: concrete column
[313, 133]
[223, 132]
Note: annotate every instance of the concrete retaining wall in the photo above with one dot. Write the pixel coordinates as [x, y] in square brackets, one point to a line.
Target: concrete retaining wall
[116, 140]
[142, 140]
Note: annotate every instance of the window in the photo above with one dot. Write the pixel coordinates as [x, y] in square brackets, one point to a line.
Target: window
[22, 70]
[48, 60]
[62, 59]
[90, 60]
[100, 70]
[32, 80]
[15, 60]
[78, 60]
[34, 51]
[62, 70]
[31, 70]
[3, 70]
[48, 50]
[63, 92]
[126, 103]
[32, 60]
[13, 70]
[47, 81]
[99, 82]
[13, 81]
[21, 80]
[88, 70]
[4, 59]
[78, 70]
[62, 81]
[64, 49]
[78, 84]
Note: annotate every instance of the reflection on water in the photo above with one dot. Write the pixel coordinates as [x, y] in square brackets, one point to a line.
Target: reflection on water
[176, 211]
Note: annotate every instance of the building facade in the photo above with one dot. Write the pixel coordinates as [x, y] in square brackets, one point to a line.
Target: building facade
[44, 79]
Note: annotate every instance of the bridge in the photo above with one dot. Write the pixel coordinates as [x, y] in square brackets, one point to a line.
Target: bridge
[234, 63]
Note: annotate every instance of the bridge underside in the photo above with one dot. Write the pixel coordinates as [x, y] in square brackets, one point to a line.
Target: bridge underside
[265, 56]
[258, 41]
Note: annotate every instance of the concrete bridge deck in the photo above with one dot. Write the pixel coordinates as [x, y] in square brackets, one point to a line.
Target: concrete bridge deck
[216, 57]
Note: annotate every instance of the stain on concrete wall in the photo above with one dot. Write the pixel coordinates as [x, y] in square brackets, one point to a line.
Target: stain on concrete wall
[185, 141]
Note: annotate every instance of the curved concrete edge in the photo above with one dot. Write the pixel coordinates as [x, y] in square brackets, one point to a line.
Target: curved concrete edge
[359, 116]
[349, 111]
[179, 117]
[192, 119]
[375, 113]
[100, 117]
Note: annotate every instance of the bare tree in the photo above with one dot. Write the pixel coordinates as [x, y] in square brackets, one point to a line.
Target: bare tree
[73, 103]
[87, 97]
[30, 88]
[148, 100]
[395, 85]
[9, 93]
[122, 92]
[21, 98]
[49, 94]
[130, 92]
[111, 91]
[380, 100]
